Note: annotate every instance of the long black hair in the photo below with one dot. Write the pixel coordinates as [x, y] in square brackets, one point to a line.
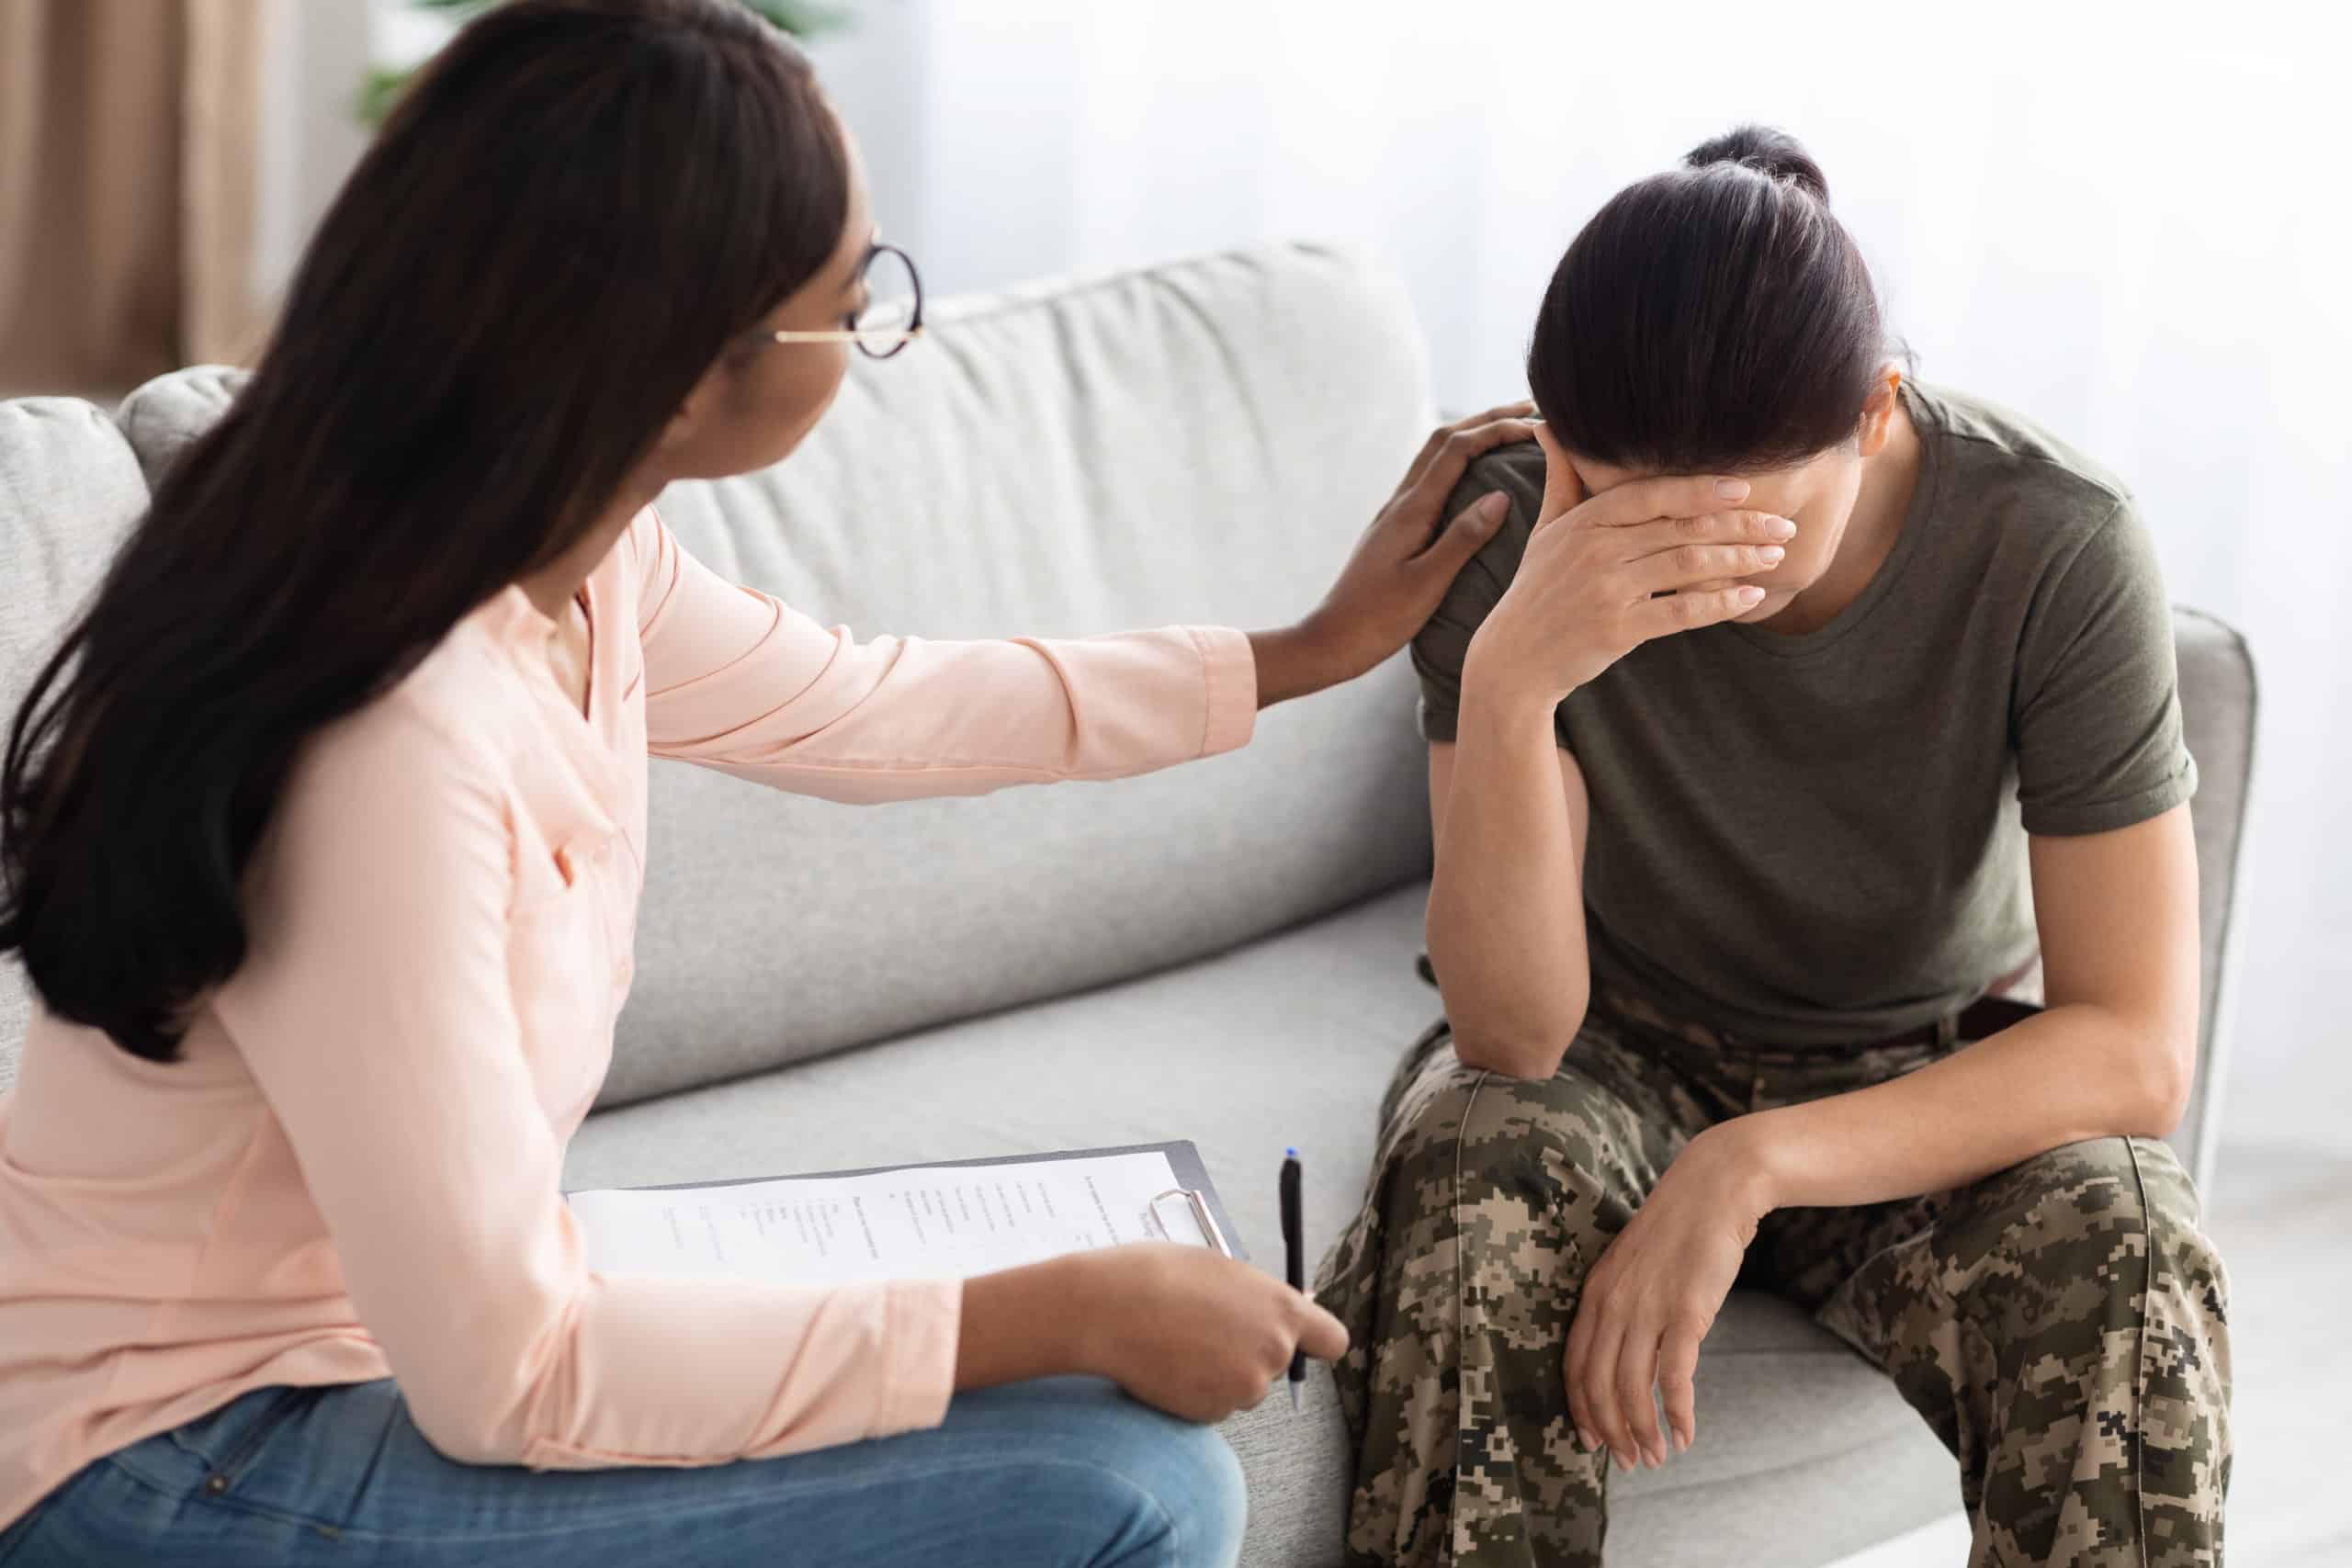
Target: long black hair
[1713, 319]
[566, 219]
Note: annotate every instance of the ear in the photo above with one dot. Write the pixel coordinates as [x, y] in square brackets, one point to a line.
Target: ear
[1563, 488]
[1878, 414]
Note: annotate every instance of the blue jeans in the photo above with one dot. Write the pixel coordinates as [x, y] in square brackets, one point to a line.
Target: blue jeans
[1061, 1470]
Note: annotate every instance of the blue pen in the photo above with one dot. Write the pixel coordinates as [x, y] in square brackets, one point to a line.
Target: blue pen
[1295, 1252]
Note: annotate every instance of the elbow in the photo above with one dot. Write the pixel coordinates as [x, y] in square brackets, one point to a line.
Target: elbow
[2165, 1089]
[462, 1441]
[2159, 1076]
[1533, 1053]
[1533, 1061]
[464, 1426]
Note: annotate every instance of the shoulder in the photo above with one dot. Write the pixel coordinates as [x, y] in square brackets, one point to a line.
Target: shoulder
[1517, 471]
[440, 736]
[2044, 498]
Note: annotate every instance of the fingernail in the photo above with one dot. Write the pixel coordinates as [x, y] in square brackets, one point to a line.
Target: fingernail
[1780, 528]
[1770, 555]
[1494, 506]
[1623, 1462]
[1681, 1444]
[1749, 594]
[1731, 489]
[1590, 1445]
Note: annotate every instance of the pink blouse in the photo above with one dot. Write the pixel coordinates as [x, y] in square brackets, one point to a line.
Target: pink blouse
[353, 1173]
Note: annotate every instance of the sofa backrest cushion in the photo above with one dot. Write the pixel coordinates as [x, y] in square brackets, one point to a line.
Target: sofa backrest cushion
[70, 489]
[1196, 442]
[169, 412]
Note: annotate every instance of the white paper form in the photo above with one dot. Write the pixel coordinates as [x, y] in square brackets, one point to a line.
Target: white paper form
[925, 1222]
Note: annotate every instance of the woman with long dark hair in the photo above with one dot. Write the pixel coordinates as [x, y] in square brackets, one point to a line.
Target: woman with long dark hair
[320, 839]
[1732, 853]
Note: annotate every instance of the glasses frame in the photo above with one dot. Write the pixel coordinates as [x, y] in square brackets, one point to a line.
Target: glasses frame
[866, 338]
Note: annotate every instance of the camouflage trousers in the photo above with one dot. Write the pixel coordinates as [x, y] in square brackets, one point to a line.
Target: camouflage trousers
[2060, 1324]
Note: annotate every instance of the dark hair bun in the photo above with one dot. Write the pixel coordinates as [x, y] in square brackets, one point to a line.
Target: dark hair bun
[1770, 153]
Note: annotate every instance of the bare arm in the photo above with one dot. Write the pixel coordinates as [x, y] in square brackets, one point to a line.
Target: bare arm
[1506, 917]
[1600, 575]
[2112, 1055]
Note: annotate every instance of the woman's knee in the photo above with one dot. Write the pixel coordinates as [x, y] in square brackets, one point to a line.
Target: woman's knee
[1167, 1492]
[1202, 1486]
[2101, 1212]
[1518, 1152]
[1111, 1478]
[1562, 1139]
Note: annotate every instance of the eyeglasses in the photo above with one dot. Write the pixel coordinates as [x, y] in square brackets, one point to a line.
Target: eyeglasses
[893, 314]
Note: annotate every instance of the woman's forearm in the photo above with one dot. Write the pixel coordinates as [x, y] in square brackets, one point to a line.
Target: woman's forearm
[1299, 661]
[1021, 1323]
[1506, 915]
[2059, 1077]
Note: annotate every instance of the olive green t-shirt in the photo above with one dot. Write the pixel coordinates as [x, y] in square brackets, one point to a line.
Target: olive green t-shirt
[1815, 839]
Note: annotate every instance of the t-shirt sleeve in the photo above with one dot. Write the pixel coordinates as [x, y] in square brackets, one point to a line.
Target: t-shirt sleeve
[2096, 715]
[1445, 642]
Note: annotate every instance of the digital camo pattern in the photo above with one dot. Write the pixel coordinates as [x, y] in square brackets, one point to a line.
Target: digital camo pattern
[2060, 1324]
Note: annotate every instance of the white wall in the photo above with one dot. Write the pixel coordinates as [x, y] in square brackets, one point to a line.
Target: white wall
[2130, 223]
[310, 136]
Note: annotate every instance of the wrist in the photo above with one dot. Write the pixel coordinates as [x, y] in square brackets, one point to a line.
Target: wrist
[1035, 1321]
[1494, 683]
[1082, 1305]
[1332, 652]
[1749, 1158]
[1302, 659]
[1491, 687]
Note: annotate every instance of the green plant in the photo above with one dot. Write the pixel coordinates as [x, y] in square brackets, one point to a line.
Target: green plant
[801, 19]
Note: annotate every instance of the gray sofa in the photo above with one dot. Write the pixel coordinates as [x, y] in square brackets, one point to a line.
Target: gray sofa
[1222, 952]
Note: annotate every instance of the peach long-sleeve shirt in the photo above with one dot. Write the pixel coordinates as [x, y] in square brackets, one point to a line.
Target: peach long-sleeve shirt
[353, 1173]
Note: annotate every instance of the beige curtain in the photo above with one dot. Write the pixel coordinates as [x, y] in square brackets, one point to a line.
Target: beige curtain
[128, 171]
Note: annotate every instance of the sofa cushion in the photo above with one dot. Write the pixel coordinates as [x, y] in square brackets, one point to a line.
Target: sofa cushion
[1288, 1040]
[171, 411]
[70, 489]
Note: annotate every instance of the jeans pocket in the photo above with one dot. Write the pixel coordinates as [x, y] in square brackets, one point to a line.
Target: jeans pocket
[229, 1440]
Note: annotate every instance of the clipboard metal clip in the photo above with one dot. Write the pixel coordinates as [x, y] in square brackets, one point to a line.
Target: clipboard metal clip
[1200, 1215]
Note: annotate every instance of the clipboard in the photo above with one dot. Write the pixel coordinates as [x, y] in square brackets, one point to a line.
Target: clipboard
[1193, 1188]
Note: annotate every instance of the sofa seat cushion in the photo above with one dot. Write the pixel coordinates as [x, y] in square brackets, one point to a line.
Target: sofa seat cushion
[1806, 1453]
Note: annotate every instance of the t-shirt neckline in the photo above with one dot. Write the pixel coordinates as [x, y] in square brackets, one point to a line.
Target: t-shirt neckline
[1917, 518]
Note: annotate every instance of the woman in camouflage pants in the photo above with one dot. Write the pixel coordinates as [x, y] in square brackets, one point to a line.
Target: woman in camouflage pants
[2059, 1323]
[1728, 807]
